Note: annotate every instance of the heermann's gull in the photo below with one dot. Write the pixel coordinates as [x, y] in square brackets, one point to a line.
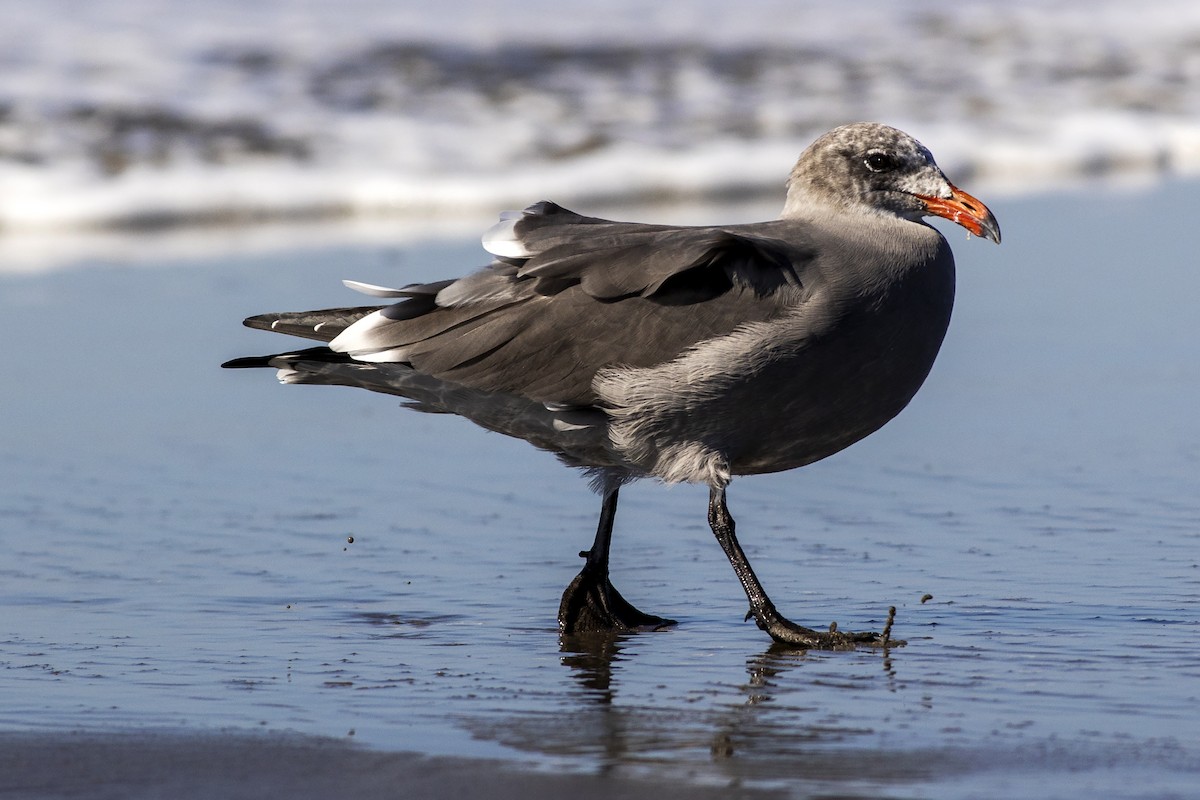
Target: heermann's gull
[684, 353]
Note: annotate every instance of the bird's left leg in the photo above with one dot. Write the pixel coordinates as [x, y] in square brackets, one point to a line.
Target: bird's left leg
[591, 604]
[762, 609]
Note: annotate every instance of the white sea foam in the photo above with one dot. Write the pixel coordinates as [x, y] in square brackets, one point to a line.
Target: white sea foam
[150, 113]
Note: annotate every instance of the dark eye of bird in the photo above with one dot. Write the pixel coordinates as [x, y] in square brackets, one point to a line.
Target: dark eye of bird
[880, 162]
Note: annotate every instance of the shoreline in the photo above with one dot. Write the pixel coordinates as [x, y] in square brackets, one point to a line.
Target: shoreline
[37, 250]
[238, 764]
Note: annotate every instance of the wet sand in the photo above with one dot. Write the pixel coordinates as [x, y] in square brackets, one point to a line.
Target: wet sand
[190, 766]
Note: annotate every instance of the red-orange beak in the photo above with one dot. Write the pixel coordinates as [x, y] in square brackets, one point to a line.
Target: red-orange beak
[963, 209]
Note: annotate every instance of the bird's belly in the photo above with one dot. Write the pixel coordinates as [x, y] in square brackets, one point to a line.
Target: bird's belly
[789, 411]
[824, 401]
[808, 413]
[782, 444]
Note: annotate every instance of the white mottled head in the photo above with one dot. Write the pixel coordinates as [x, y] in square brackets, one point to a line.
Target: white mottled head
[872, 167]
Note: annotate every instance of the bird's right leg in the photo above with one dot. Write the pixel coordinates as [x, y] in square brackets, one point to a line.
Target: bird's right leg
[780, 628]
[591, 604]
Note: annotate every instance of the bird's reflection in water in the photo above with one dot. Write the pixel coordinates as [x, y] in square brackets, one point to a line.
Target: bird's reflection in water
[778, 659]
[617, 734]
[764, 668]
[591, 658]
[773, 721]
[767, 721]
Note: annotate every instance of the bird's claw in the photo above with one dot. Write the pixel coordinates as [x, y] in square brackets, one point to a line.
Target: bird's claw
[786, 632]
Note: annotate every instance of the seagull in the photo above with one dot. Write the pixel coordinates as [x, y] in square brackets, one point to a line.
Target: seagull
[681, 353]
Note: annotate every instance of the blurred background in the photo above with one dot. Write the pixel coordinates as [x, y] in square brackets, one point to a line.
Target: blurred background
[146, 114]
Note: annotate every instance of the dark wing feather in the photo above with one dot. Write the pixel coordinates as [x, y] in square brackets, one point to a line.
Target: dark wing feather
[612, 260]
[593, 294]
[320, 325]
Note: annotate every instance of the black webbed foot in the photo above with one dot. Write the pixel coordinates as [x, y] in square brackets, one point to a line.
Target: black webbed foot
[591, 604]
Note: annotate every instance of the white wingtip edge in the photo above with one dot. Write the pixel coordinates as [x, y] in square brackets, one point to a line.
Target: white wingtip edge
[374, 290]
[501, 239]
[364, 341]
[358, 336]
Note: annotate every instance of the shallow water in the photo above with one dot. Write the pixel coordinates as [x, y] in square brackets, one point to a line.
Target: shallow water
[178, 555]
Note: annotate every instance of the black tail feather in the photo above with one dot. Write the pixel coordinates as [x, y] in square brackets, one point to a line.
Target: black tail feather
[247, 362]
[279, 359]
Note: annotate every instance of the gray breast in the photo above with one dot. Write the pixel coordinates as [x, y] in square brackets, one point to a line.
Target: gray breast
[780, 394]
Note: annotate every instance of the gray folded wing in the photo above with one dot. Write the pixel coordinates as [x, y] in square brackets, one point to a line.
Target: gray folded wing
[569, 295]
